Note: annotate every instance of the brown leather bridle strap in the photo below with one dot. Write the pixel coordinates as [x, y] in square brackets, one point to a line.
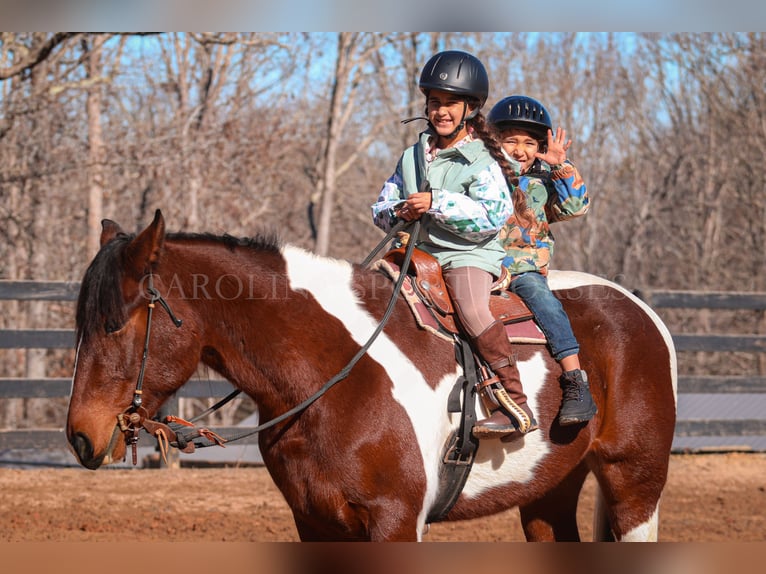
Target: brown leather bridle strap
[134, 418]
[154, 298]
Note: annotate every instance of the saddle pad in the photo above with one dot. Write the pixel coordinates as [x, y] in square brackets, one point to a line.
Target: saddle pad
[525, 331]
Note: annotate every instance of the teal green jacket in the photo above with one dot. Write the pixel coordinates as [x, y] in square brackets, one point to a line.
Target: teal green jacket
[470, 203]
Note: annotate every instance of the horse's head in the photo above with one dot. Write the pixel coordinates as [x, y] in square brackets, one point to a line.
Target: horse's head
[113, 313]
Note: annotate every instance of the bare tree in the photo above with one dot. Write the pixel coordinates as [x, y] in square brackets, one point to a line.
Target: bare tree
[354, 52]
[92, 49]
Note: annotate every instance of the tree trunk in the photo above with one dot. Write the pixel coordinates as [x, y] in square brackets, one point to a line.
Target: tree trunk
[345, 40]
[95, 147]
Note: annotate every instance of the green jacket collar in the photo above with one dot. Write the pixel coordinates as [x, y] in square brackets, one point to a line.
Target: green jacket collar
[471, 151]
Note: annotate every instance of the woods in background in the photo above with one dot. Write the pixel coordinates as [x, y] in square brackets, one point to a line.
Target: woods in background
[238, 133]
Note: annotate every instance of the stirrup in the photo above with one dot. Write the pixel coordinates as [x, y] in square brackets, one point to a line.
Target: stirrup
[525, 422]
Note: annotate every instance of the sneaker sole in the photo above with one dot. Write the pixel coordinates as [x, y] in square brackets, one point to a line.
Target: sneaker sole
[573, 420]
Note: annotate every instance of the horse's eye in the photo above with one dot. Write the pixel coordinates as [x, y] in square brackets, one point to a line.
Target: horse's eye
[111, 326]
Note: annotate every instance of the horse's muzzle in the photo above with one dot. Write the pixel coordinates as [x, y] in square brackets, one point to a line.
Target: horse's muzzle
[83, 449]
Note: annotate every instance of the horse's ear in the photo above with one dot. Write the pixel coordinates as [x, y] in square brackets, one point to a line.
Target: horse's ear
[109, 230]
[144, 251]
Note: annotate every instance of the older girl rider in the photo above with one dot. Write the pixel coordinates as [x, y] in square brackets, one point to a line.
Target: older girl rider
[463, 206]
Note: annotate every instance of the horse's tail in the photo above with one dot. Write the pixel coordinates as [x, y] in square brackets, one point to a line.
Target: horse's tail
[602, 528]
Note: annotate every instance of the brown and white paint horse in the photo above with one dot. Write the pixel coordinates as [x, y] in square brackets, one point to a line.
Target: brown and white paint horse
[362, 462]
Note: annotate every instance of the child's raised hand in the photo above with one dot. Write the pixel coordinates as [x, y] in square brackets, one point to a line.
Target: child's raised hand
[557, 148]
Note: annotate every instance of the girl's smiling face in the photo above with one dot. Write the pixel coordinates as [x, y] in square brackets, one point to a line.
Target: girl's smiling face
[521, 146]
[446, 112]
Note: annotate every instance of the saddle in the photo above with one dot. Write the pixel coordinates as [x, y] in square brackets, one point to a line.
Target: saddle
[426, 292]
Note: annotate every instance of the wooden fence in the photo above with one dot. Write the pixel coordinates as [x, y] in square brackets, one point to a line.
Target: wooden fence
[64, 339]
[752, 383]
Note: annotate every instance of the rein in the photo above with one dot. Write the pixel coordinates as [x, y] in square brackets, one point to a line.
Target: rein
[168, 433]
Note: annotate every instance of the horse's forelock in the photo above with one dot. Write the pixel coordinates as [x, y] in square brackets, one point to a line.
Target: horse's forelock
[100, 304]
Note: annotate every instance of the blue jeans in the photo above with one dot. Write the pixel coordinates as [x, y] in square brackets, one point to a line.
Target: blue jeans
[533, 289]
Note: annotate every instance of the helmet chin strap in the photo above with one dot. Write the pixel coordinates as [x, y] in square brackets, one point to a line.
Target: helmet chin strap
[408, 120]
[456, 131]
[463, 119]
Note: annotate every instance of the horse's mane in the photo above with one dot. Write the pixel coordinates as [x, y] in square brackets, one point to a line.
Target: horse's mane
[268, 241]
[100, 304]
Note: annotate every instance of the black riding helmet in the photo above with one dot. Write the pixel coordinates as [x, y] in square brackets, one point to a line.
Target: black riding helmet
[459, 73]
[521, 112]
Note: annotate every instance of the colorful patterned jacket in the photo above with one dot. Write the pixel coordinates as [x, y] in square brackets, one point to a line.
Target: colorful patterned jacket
[470, 203]
[553, 193]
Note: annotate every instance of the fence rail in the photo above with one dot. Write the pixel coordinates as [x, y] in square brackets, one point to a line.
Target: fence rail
[727, 385]
[684, 342]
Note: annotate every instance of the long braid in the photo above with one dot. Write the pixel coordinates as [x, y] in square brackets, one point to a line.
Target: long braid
[487, 134]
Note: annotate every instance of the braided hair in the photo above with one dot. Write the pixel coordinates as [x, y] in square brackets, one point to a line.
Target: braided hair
[488, 135]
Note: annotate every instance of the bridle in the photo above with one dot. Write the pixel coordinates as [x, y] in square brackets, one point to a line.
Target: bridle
[154, 297]
[168, 432]
[135, 417]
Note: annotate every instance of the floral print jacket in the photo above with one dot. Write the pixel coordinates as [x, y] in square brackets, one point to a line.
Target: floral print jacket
[553, 193]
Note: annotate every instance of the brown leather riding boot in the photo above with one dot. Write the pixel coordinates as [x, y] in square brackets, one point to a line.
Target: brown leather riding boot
[510, 412]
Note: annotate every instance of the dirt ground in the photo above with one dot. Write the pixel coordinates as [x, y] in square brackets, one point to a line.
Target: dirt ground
[708, 498]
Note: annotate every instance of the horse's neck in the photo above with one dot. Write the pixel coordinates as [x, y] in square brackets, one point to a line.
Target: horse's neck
[276, 320]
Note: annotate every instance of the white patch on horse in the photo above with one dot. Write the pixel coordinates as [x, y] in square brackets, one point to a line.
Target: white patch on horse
[330, 282]
[646, 532]
[499, 462]
[558, 280]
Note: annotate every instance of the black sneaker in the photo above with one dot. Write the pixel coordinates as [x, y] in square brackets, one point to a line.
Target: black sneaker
[577, 405]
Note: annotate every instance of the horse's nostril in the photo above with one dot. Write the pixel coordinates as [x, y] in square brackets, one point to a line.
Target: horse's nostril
[84, 451]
